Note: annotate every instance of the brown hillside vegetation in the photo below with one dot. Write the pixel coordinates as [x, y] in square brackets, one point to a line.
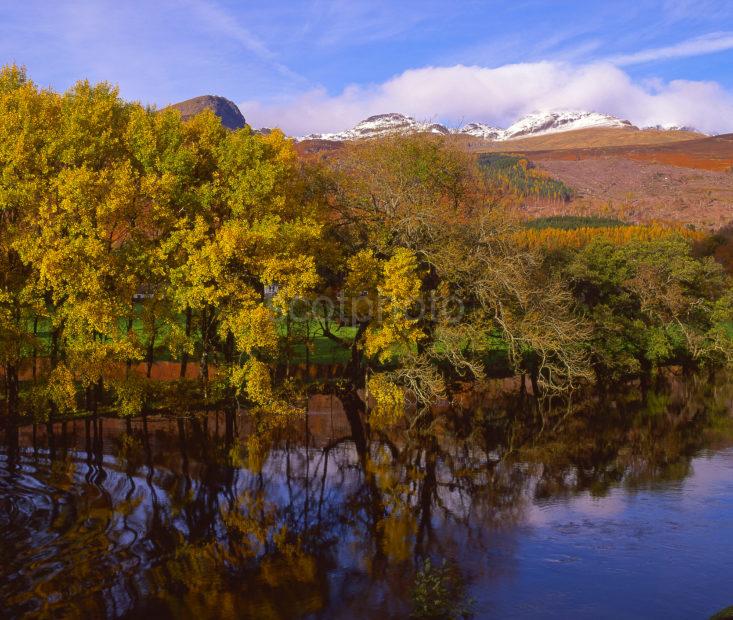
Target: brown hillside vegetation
[598, 137]
[637, 175]
[640, 191]
[709, 153]
[312, 147]
[688, 181]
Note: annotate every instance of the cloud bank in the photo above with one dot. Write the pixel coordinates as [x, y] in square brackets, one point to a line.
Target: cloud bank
[500, 95]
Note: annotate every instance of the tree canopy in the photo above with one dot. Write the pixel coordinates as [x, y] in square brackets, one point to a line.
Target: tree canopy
[130, 236]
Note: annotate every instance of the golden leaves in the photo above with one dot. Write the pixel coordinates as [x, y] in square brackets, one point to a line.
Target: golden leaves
[399, 292]
[254, 329]
[558, 238]
[257, 382]
[61, 390]
[389, 401]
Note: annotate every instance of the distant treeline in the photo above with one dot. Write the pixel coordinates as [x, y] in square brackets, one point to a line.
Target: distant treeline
[579, 234]
[520, 175]
[573, 222]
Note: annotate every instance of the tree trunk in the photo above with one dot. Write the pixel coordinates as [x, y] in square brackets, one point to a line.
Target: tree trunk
[645, 377]
[287, 345]
[98, 391]
[353, 370]
[229, 349]
[534, 377]
[523, 386]
[184, 356]
[35, 349]
[307, 350]
[150, 357]
[54, 347]
[130, 322]
[11, 391]
[204, 365]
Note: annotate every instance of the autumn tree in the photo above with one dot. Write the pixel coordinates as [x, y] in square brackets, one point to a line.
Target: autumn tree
[429, 226]
[27, 117]
[652, 303]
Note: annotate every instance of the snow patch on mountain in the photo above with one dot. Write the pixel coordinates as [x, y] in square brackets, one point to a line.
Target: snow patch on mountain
[673, 127]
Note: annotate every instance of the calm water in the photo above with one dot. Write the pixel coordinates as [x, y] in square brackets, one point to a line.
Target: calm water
[619, 508]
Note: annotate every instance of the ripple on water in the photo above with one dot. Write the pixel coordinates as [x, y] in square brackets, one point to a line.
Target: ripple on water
[62, 530]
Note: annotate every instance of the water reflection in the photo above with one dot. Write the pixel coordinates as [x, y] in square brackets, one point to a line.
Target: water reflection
[520, 511]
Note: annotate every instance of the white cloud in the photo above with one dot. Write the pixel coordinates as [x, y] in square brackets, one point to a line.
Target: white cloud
[500, 95]
[707, 44]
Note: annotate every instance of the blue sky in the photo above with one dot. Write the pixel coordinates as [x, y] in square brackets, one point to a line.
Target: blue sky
[321, 64]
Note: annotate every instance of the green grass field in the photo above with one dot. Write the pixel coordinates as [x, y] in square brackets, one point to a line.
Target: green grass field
[306, 345]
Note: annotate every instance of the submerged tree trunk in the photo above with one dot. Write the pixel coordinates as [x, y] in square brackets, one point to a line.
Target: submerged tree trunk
[97, 391]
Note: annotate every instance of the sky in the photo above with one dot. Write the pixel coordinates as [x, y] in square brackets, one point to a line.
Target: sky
[323, 65]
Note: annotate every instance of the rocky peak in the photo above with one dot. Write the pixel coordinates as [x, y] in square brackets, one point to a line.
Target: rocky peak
[225, 109]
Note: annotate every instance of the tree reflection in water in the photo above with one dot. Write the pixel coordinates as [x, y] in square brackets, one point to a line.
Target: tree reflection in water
[199, 517]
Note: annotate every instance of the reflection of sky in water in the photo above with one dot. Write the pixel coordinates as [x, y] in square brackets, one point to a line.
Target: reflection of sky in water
[662, 552]
[667, 548]
[646, 549]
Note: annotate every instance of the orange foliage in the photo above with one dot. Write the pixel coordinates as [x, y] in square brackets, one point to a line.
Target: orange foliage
[560, 239]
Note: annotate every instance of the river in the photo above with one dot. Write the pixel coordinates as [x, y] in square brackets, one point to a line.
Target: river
[620, 506]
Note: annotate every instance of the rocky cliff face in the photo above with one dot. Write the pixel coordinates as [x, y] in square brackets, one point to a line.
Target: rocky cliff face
[229, 113]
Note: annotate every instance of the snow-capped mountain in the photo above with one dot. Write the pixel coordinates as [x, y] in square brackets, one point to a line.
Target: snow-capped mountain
[380, 125]
[541, 123]
[536, 124]
[480, 130]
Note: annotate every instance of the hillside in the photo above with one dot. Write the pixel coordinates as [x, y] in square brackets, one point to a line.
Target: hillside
[687, 181]
[707, 153]
[225, 109]
[640, 191]
[585, 138]
[638, 175]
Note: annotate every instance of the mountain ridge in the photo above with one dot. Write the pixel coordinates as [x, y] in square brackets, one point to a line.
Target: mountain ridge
[535, 124]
